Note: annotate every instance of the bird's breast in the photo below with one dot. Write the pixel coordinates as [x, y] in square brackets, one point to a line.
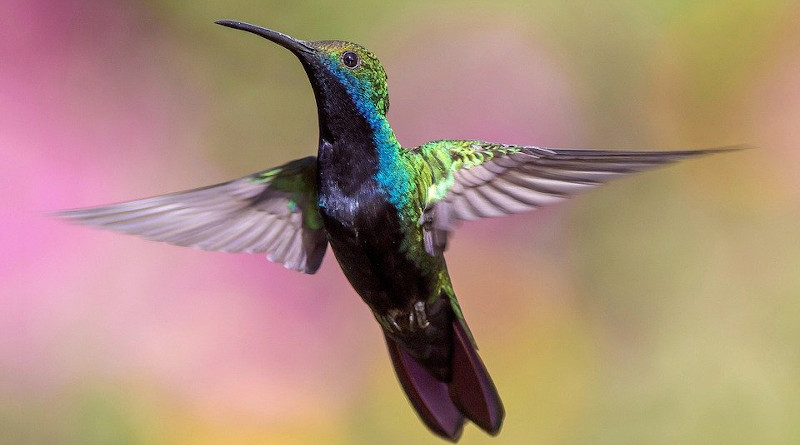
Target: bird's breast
[358, 210]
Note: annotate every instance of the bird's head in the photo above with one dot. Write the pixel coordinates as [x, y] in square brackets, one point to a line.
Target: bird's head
[343, 74]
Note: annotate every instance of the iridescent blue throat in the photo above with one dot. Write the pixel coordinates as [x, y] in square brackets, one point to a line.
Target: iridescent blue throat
[393, 174]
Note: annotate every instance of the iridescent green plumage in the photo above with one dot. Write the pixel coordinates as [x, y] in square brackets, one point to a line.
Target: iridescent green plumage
[386, 211]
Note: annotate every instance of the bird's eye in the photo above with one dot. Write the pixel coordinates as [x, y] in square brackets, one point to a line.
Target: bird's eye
[351, 59]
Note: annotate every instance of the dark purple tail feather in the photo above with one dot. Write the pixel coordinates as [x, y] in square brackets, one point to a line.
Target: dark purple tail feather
[443, 406]
[471, 388]
[429, 396]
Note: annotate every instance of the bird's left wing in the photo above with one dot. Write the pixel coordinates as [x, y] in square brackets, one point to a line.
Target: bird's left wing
[273, 211]
[474, 179]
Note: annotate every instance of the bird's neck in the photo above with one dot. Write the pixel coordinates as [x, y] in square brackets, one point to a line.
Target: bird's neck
[358, 146]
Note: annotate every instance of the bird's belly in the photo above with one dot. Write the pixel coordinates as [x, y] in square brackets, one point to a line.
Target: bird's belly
[376, 249]
[372, 253]
[404, 295]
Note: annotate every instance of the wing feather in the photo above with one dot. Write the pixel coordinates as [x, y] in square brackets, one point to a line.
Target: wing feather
[273, 211]
[489, 180]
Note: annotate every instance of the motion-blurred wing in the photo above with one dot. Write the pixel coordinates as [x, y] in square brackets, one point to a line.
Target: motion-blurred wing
[479, 179]
[273, 211]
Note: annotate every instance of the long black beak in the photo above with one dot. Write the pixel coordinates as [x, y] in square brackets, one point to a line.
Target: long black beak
[294, 45]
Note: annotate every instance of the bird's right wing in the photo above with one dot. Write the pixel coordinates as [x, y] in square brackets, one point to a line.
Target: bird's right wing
[274, 211]
[474, 179]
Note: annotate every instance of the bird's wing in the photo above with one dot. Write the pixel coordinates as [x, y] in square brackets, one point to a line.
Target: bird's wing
[273, 211]
[473, 179]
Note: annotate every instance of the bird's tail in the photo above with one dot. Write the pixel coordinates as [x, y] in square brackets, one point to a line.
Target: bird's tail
[443, 406]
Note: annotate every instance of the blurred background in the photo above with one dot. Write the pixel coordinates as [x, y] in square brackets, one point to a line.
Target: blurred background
[662, 309]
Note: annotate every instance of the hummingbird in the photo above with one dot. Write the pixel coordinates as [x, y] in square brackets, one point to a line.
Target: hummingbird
[386, 211]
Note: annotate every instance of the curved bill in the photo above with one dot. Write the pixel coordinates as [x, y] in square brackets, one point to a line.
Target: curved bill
[294, 45]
